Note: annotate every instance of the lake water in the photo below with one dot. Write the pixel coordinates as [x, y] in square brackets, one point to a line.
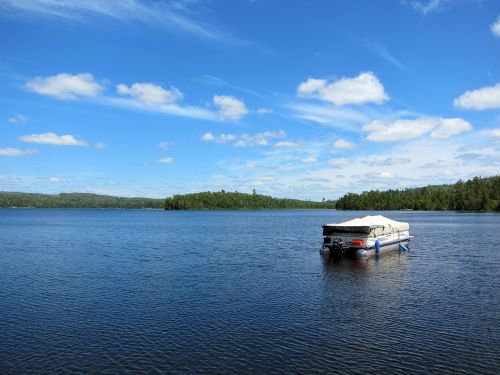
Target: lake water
[118, 291]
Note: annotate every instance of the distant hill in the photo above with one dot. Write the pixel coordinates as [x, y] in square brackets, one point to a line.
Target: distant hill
[477, 194]
[223, 200]
[75, 200]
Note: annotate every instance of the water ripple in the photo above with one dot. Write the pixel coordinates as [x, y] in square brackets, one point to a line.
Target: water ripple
[115, 291]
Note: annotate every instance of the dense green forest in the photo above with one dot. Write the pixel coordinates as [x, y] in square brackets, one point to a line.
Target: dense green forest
[222, 200]
[478, 194]
[75, 200]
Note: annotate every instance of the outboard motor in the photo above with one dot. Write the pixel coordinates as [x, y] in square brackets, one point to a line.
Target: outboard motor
[337, 249]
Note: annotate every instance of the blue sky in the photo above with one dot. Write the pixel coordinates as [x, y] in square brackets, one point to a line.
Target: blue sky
[303, 99]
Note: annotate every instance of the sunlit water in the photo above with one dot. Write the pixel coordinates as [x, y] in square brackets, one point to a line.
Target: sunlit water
[224, 292]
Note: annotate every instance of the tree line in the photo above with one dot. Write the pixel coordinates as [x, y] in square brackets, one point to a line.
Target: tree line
[75, 200]
[477, 194]
[223, 200]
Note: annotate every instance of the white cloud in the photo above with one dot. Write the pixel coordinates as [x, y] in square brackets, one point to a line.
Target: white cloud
[343, 144]
[53, 139]
[66, 86]
[244, 140]
[449, 127]
[495, 27]
[309, 160]
[365, 88]
[150, 94]
[54, 180]
[383, 131]
[17, 119]
[13, 152]
[230, 108]
[259, 139]
[496, 133]
[101, 146]
[207, 137]
[286, 144]
[388, 161]
[224, 138]
[381, 175]
[166, 160]
[337, 163]
[483, 98]
[221, 138]
[142, 96]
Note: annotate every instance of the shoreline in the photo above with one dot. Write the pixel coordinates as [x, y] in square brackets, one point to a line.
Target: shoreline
[243, 209]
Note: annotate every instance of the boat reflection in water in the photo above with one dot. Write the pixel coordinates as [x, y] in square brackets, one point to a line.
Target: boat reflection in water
[366, 265]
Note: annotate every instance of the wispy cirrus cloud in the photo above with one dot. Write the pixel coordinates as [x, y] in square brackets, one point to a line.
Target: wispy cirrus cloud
[9, 180]
[384, 53]
[175, 16]
[348, 119]
[171, 109]
[264, 111]
[219, 82]
[18, 119]
[495, 27]
[326, 115]
[14, 152]
[165, 145]
[53, 139]
[101, 146]
[429, 6]
[245, 140]
[426, 6]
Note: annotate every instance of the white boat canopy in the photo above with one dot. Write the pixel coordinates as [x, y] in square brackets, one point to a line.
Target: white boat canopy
[376, 225]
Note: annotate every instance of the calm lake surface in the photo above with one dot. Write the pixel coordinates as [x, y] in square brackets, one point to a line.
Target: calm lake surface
[119, 291]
